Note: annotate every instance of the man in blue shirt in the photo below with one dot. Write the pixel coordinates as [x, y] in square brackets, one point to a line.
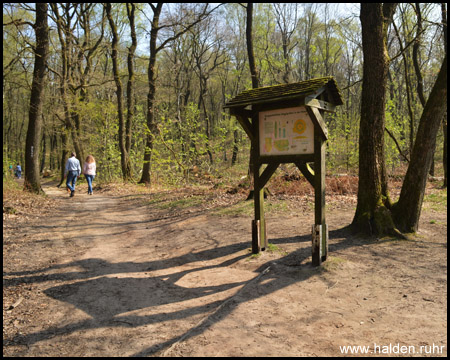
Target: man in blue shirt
[72, 171]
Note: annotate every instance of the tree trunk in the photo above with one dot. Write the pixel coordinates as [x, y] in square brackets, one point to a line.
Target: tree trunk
[415, 55]
[32, 175]
[372, 214]
[202, 110]
[62, 160]
[151, 126]
[251, 56]
[124, 159]
[407, 209]
[53, 150]
[130, 86]
[43, 142]
[444, 121]
[444, 157]
[255, 83]
[408, 91]
[235, 147]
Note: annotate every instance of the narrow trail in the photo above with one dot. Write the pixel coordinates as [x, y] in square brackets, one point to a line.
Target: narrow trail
[126, 277]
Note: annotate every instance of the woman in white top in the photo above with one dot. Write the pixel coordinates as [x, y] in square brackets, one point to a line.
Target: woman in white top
[89, 171]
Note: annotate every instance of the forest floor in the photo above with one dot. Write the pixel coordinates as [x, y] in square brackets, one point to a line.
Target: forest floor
[131, 271]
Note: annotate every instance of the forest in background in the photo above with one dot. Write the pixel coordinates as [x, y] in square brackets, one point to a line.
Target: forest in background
[97, 52]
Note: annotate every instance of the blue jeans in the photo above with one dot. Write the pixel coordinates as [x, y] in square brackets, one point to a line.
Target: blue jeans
[90, 179]
[71, 179]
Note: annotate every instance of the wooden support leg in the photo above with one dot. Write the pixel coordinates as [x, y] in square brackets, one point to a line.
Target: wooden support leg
[320, 237]
[261, 218]
[256, 239]
[319, 244]
[259, 239]
[316, 244]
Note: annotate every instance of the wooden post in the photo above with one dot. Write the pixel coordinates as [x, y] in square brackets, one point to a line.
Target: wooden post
[316, 244]
[256, 233]
[259, 225]
[319, 251]
[259, 208]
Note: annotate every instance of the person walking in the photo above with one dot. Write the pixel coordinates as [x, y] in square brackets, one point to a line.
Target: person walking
[89, 168]
[18, 171]
[72, 171]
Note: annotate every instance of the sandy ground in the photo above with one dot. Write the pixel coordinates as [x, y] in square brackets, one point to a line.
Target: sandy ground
[118, 275]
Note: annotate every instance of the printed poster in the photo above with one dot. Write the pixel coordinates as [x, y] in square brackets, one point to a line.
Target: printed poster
[286, 132]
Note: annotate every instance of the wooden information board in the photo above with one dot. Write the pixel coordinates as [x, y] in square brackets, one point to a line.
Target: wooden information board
[286, 132]
[285, 124]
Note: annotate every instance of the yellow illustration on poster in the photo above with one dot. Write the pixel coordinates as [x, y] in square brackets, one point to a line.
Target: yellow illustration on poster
[286, 132]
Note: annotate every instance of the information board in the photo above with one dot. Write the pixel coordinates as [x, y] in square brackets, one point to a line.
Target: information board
[287, 131]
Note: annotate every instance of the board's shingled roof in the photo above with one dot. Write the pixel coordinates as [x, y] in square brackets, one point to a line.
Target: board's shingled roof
[286, 91]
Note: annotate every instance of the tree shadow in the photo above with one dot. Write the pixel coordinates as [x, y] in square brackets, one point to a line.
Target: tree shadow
[104, 291]
[278, 274]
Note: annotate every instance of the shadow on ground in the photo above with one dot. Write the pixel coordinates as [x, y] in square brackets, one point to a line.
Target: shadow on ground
[110, 297]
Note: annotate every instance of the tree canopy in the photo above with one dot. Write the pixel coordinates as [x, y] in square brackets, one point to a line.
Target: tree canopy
[142, 86]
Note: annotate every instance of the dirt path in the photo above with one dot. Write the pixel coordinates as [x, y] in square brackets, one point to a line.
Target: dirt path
[114, 276]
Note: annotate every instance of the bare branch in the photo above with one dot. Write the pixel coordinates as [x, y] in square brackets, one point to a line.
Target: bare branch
[407, 45]
[203, 15]
[397, 144]
[19, 22]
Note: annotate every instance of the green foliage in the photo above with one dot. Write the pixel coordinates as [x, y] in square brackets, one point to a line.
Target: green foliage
[333, 263]
[342, 145]
[238, 209]
[102, 143]
[180, 154]
[397, 129]
[437, 200]
[275, 249]
[293, 41]
[184, 203]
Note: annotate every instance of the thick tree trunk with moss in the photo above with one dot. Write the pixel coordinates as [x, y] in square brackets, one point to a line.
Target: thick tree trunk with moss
[372, 212]
[407, 209]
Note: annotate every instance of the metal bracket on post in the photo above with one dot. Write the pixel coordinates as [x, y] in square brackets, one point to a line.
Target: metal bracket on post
[324, 247]
[263, 237]
[256, 236]
[316, 244]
